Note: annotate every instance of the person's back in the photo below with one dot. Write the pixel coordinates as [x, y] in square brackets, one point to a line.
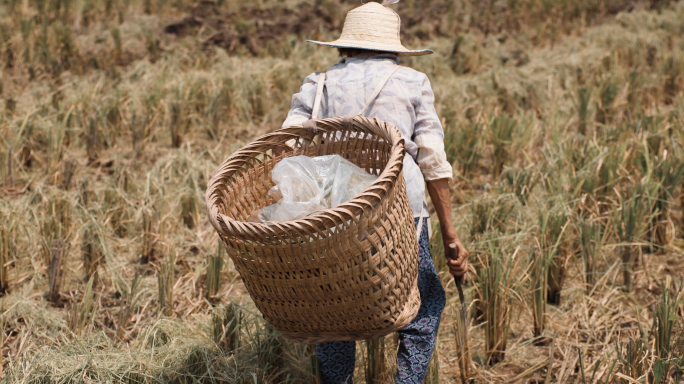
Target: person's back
[406, 101]
[372, 83]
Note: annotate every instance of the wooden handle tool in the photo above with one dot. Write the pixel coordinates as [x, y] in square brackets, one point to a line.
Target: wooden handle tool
[460, 291]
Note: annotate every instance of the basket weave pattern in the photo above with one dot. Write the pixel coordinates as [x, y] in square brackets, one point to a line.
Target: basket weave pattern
[346, 273]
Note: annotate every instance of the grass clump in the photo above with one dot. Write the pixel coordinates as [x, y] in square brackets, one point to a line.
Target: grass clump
[462, 346]
[552, 225]
[591, 241]
[462, 143]
[6, 255]
[82, 313]
[521, 182]
[538, 276]
[166, 280]
[630, 223]
[226, 325]
[664, 318]
[494, 286]
[502, 129]
[633, 358]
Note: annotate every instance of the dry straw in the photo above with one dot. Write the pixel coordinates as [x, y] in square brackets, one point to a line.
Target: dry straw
[375, 27]
[347, 273]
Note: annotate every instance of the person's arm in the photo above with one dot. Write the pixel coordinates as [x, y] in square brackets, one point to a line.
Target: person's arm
[437, 171]
[302, 102]
[457, 258]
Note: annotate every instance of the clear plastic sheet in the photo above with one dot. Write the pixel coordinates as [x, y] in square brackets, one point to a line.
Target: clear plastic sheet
[306, 184]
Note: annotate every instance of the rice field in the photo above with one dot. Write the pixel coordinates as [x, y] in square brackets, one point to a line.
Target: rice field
[563, 120]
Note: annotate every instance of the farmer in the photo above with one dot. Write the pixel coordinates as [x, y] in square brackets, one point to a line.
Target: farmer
[368, 80]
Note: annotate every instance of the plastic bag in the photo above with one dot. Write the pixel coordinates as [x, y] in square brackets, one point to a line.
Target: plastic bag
[306, 184]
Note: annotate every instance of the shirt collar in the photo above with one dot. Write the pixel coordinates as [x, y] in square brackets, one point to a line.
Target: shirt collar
[369, 56]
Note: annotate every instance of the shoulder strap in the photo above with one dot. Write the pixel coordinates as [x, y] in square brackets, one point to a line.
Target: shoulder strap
[379, 88]
[374, 95]
[319, 96]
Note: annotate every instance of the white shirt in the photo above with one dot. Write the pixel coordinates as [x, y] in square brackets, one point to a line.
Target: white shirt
[406, 101]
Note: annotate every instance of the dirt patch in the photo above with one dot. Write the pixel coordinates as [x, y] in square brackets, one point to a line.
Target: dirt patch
[251, 27]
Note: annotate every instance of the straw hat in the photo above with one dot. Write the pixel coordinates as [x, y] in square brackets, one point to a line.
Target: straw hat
[375, 27]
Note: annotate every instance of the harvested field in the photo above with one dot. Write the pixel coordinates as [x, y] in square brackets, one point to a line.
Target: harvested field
[563, 121]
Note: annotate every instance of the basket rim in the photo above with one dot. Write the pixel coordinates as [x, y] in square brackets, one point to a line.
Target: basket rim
[344, 212]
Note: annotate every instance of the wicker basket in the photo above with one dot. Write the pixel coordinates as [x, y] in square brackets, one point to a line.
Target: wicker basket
[347, 273]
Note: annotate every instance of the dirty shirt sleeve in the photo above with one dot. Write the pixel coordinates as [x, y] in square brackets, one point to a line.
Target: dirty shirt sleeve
[428, 135]
[302, 102]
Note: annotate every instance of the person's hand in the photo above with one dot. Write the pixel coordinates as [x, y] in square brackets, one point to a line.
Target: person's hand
[457, 257]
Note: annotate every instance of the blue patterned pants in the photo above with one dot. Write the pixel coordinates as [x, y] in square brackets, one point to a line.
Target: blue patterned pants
[416, 340]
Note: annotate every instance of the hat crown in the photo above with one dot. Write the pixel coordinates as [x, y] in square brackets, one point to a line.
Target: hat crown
[372, 22]
[373, 26]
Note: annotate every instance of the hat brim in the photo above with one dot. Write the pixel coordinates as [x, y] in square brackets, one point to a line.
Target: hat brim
[392, 48]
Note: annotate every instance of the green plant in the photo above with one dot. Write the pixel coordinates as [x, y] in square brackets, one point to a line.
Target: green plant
[67, 173]
[552, 224]
[118, 47]
[189, 209]
[590, 247]
[9, 169]
[117, 211]
[633, 358]
[139, 132]
[462, 145]
[92, 141]
[629, 223]
[582, 107]
[129, 298]
[501, 128]
[635, 91]
[55, 271]
[664, 318]
[56, 235]
[521, 181]
[608, 169]
[461, 339]
[149, 235]
[596, 367]
[83, 312]
[270, 352]
[673, 71]
[56, 223]
[214, 267]
[538, 277]
[608, 89]
[5, 255]
[584, 158]
[491, 214]
[91, 251]
[494, 284]
[226, 327]
[176, 124]
[668, 173]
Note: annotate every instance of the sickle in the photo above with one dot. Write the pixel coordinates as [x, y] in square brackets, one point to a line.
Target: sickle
[463, 312]
[460, 295]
